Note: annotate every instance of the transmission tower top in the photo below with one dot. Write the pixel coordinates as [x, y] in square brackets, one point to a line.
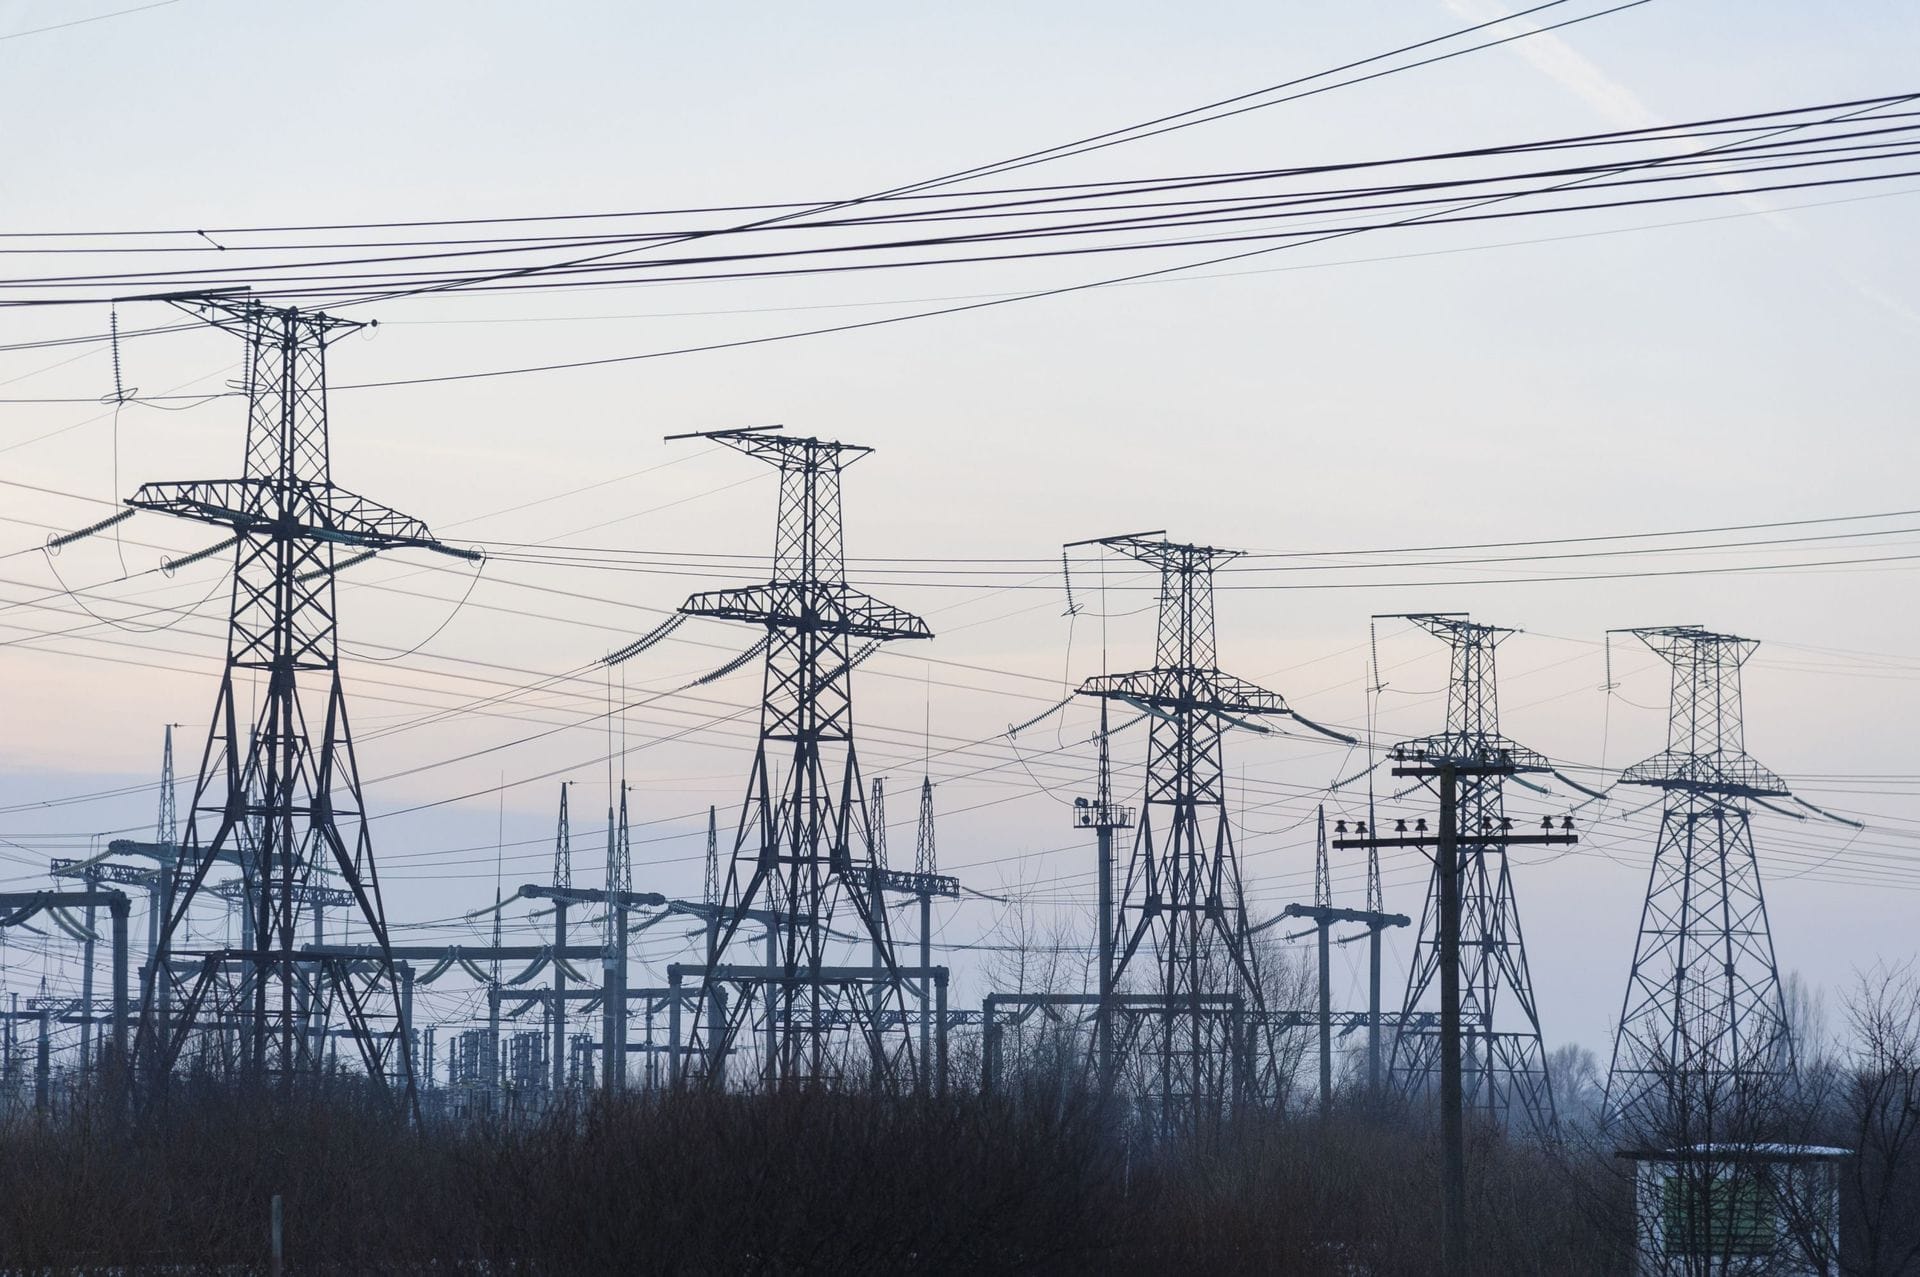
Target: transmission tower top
[1472, 738]
[1706, 746]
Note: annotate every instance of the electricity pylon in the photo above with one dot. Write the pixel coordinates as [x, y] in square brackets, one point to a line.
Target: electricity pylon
[802, 850]
[563, 845]
[279, 792]
[1502, 1060]
[1703, 1007]
[1180, 915]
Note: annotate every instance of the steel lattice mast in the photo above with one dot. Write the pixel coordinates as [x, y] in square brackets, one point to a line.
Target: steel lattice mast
[802, 851]
[279, 793]
[1185, 1047]
[1503, 1062]
[1703, 1006]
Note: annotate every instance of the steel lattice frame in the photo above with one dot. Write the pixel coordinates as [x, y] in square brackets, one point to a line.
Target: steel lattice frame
[1703, 1007]
[802, 848]
[1190, 1053]
[1503, 1061]
[279, 794]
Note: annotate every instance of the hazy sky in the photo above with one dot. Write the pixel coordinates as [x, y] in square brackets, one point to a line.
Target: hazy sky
[1426, 388]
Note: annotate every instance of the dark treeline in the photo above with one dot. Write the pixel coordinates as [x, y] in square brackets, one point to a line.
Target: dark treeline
[1040, 1177]
[817, 1183]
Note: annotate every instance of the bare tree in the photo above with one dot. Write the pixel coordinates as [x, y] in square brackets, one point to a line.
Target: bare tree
[1880, 1094]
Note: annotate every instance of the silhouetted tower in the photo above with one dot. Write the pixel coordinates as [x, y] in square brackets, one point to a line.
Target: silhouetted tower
[711, 895]
[802, 850]
[563, 845]
[925, 860]
[1503, 1064]
[1322, 873]
[877, 822]
[166, 829]
[1703, 1006]
[291, 528]
[1180, 915]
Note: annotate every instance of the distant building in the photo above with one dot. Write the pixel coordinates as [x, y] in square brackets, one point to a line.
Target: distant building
[1736, 1210]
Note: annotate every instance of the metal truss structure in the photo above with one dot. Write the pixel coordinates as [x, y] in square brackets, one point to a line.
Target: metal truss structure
[1181, 1039]
[802, 850]
[1503, 1061]
[1703, 1006]
[283, 798]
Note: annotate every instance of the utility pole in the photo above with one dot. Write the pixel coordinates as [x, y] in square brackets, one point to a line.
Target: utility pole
[801, 849]
[1479, 759]
[1182, 900]
[288, 526]
[1103, 816]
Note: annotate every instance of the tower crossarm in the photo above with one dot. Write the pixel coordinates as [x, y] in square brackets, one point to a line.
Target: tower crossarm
[305, 893]
[107, 871]
[1477, 751]
[1186, 690]
[916, 884]
[299, 509]
[819, 606]
[1735, 775]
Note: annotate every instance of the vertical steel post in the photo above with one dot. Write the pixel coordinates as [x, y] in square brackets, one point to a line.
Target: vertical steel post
[43, 1064]
[118, 909]
[86, 982]
[926, 990]
[1452, 1118]
[673, 1027]
[559, 1020]
[940, 1010]
[1103, 1016]
[1326, 1020]
[1373, 1010]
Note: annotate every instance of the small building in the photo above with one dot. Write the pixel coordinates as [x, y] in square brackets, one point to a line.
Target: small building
[1736, 1210]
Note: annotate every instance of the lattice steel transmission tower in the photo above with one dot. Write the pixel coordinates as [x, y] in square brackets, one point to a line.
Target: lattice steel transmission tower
[925, 858]
[1503, 1062]
[1183, 989]
[1703, 1007]
[563, 845]
[802, 851]
[278, 790]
